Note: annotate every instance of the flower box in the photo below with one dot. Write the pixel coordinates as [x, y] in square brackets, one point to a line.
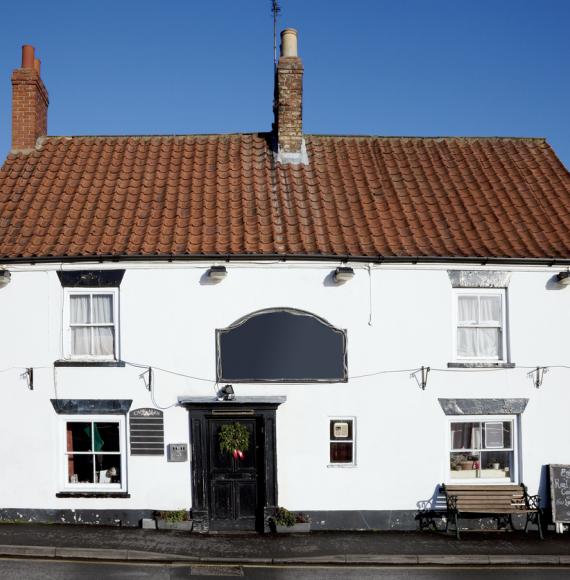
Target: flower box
[299, 528]
[185, 526]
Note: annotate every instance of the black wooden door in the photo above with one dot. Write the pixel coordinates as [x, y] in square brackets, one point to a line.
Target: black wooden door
[233, 483]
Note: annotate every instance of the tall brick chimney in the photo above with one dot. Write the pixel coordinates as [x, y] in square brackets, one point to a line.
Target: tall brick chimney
[288, 104]
[29, 102]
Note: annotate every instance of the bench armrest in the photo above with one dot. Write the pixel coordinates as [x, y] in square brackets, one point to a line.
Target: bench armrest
[533, 502]
[451, 503]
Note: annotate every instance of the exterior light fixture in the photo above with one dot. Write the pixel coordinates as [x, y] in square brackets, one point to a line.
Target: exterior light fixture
[5, 278]
[563, 278]
[226, 393]
[217, 273]
[343, 274]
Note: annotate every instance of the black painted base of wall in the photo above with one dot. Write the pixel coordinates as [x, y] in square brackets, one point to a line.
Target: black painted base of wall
[124, 518]
[321, 520]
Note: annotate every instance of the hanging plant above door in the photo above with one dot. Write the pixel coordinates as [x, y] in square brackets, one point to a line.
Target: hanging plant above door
[234, 438]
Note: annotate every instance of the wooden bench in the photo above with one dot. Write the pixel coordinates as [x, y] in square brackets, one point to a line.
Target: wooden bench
[499, 501]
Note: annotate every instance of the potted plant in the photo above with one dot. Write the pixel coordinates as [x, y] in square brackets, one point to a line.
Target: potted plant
[173, 520]
[285, 522]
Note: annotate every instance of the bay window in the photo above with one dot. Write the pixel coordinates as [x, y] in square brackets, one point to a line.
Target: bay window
[483, 449]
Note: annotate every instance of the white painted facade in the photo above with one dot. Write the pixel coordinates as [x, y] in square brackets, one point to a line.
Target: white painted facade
[397, 318]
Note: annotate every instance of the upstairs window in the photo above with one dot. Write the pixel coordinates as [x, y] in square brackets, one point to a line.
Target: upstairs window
[92, 324]
[480, 321]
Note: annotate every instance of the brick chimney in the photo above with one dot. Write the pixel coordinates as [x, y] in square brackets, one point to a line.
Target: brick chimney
[29, 103]
[288, 104]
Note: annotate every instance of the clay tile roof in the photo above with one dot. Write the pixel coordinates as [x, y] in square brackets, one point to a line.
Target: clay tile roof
[226, 195]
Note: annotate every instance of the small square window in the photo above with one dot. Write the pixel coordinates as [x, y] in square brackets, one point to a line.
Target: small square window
[480, 325]
[94, 454]
[341, 441]
[91, 322]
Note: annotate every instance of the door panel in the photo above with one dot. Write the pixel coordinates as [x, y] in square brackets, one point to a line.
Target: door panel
[233, 483]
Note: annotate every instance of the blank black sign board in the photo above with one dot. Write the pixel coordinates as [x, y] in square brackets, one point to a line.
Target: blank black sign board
[560, 492]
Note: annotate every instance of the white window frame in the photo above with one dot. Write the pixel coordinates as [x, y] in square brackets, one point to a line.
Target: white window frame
[68, 354]
[514, 419]
[93, 487]
[501, 292]
[348, 440]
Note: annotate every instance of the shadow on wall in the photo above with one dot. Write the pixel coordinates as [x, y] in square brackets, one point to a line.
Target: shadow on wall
[432, 512]
[554, 284]
[545, 499]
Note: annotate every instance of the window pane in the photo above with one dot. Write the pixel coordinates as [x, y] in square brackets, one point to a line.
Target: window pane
[488, 343]
[102, 308]
[106, 437]
[79, 437]
[467, 342]
[79, 313]
[80, 468]
[81, 340]
[466, 435]
[490, 309]
[341, 452]
[341, 429]
[468, 309]
[103, 340]
[108, 468]
[464, 465]
[497, 465]
[494, 435]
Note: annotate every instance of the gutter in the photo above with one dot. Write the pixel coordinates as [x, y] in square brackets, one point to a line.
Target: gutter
[480, 260]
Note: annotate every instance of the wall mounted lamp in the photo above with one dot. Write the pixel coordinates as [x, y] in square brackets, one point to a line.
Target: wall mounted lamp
[226, 393]
[217, 273]
[5, 278]
[563, 278]
[343, 274]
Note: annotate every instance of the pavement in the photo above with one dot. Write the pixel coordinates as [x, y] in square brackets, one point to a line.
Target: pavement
[80, 542]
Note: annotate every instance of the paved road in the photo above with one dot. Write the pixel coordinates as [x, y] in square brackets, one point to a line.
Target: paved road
[59, 570]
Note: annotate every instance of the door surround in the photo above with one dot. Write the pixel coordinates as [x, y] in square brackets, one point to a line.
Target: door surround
[200, 409]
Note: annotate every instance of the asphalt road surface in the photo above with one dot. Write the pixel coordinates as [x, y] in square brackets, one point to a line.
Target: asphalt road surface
[13, 569]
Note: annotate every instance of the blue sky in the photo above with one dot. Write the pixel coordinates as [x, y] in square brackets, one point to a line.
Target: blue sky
[398, 67]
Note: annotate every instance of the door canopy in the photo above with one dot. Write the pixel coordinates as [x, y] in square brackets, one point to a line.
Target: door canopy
[281, 345]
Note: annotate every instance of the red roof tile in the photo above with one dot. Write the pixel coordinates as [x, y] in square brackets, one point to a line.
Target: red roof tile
[226, 195]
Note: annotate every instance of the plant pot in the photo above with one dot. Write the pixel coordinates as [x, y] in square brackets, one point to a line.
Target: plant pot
[180, 526]
[467, 464]
[301, 528]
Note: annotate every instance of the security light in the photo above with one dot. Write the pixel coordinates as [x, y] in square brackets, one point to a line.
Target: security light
[5, 278]
[564, 278]
[217, 273]
[343, 274]
[227, 393]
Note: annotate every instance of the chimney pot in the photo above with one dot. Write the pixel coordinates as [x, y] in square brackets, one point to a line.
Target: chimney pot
[289, 42]
[28, 56]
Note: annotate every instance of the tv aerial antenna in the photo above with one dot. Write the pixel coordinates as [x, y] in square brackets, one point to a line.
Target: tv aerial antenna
[275, 9]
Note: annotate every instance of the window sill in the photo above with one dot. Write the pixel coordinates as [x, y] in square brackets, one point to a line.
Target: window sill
[341, 465]
[94, 494]
[89, 363]
[480, 365]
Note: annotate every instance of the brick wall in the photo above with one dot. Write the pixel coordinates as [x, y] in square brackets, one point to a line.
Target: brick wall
[289, 104]
[29, 108]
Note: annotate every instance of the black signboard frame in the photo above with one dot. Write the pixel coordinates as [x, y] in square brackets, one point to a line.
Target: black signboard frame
[559, 518]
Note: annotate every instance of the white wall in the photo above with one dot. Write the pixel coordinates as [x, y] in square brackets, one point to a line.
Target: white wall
[168, 318]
